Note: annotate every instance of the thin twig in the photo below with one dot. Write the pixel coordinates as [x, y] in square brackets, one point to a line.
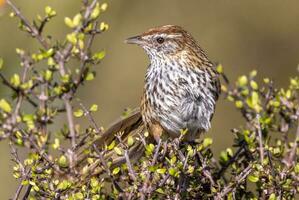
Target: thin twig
[260, 139]
[231, 160]
[24, 173]
[33, 31]
[70, 119]
[206, 172]
[25, 197]
[107, 169]
[130, 168]
[145, 187]
[238, 179]
[84, 57]
[61, 59]
[289, 159]
[16, 90]
[41, 151]
[17, 194]
[91, 119]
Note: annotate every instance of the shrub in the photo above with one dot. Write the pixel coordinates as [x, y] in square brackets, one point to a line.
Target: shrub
[66, 163]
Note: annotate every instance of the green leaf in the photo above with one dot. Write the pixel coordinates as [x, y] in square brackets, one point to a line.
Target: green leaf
[93, 108]
[99, 55]
[266, 80]
[50, 11]
[48, 75]
[150, 148]
[242, 81]
[90, 76]
[253, 101]
[69, 22]
[96, 11]
[229, 152]
[253, 178]
[219, 69]
[223, 156]
[239, 104]
[130, 141]
[104, 6]
[25, 182]
[72, 38]
[173, 172]
[63, 162]
[64, 185]
[111, 146]
[56, 144]
[104, 26]
[173, 160]
[77, 19]
[51, 61]
[207, 142]
[254, 85]
[116, 171]
[94, 182]
[79, 195]
[118, 151]
[5, 106]
[65, 78]
[253, 73]
[36, 188]
[48, 53]
[160, 190]
[27, 85]
[78, 113]
[15, 80]
[19, 51]
[272, 197]
[161, 171]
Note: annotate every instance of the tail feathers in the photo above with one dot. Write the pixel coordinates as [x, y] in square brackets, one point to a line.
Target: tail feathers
[132, 126]
[123, 125]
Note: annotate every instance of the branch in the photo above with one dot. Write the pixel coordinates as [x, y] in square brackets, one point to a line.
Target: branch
[260, 139]
[91, 119]
[16, 90]
[33, 31]
[241, 177]
[61, 58]
[289, 159]
[144, 190]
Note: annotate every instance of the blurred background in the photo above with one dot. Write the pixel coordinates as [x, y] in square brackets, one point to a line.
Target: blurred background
[242, 35]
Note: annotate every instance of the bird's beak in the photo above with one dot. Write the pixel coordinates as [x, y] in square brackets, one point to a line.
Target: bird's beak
[135, 40]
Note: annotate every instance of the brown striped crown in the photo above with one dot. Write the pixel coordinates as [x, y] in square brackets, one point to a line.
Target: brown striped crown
[168, 40]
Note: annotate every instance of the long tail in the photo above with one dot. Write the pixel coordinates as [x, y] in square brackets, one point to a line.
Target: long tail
[127, 126]
[133, 126]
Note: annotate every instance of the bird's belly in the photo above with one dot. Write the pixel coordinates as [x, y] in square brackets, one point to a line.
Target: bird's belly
[176, 102]
[176, 113]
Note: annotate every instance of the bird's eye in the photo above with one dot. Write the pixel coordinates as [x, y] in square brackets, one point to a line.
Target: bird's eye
[160, 40]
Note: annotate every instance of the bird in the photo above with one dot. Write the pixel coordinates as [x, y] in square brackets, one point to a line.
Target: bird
[181, 84]
[181, 88]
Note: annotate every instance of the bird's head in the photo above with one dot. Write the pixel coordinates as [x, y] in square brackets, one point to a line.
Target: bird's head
[168, 40]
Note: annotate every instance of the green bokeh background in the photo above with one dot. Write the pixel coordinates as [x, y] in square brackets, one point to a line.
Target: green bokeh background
[242, 35]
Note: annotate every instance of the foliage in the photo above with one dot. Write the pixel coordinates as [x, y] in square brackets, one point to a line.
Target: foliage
[262, 164]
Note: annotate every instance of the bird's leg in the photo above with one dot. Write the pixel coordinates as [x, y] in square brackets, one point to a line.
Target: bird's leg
[156, 131]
